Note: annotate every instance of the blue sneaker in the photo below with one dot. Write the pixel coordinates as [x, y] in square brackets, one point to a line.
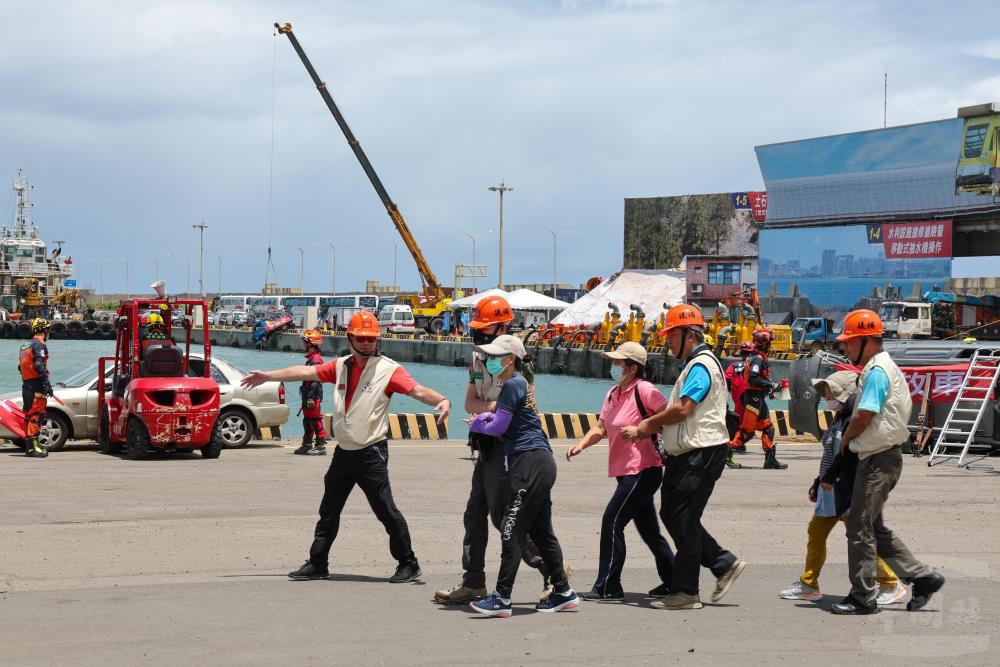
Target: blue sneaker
[559, 602]
[493, 605]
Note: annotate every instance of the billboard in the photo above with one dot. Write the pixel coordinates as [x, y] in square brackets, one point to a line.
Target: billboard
[935, 168]
[835, 267]
[660, 231]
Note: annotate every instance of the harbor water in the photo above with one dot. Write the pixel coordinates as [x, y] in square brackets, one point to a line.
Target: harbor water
[555, 393]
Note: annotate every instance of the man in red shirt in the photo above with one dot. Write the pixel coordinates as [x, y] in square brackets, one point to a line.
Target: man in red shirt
[364, 384]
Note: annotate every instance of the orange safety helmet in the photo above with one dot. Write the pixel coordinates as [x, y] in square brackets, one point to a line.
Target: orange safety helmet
[312, 337]
[683, 315]
[363, 323]
[491, 310]
[861, 323]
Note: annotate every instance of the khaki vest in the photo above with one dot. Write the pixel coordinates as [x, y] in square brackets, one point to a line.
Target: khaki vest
[367, 420]
[487, 387]
[888, 427]
[706, 427]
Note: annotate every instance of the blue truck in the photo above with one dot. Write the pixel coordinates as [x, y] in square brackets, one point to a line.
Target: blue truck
[812, 334]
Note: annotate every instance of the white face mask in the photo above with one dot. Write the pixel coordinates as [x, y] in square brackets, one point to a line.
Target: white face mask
[833, 404]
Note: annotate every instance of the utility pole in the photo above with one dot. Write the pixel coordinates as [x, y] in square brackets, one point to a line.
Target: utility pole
[302, 270]
[555, 237]
[502, 188]
[201, 258]
[885, 97]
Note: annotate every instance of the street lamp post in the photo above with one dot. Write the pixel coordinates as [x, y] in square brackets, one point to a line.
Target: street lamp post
[102, 262]
[502, 188]
[333, 269]
[395, 253]
[555, 237]
[473, 239]
[302, 270]
[201, 257]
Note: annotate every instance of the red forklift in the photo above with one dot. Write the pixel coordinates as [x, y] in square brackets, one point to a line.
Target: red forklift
[154, 402]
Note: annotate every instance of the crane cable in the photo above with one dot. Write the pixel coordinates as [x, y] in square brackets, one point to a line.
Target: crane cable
[269, 264]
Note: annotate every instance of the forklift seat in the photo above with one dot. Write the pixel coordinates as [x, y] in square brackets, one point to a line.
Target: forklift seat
[162, 361]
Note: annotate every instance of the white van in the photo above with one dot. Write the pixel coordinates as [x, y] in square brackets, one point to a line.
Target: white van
[396, 318]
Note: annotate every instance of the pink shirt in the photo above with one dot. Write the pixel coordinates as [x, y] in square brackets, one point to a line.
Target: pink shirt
[620, 410]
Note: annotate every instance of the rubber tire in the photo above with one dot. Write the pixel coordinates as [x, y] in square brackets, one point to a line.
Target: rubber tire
[107, 447]
[235, 413]
[137, 440]
[436, 325]
[214, 447]
[64, 430]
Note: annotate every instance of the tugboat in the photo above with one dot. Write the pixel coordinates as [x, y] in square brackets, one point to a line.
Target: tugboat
[30, 278]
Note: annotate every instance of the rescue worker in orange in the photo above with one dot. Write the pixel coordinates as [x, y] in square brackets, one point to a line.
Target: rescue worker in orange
[35, 387]
[756, 416]
[311, 391]
[737, 384]
[364, 383]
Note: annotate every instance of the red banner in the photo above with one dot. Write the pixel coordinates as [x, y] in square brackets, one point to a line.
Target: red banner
[758, 205]
[911, 240]
[944, 380]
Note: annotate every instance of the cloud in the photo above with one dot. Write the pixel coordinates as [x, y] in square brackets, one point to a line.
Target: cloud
[135, 120]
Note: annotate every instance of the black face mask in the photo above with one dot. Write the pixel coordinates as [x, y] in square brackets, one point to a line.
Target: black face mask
[480, 337]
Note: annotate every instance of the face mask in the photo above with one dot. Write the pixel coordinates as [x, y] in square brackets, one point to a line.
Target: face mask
[480, 337]
[833, 404]
[617, 373]
[494, 366]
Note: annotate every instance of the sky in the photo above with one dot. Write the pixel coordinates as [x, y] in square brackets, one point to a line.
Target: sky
[135, 120]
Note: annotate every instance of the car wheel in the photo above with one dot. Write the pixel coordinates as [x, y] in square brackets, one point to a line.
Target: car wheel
[137, 440]
[54, 431]
[235, 429]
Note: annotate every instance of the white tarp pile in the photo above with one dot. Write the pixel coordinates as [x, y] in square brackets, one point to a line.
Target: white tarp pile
[648, 290]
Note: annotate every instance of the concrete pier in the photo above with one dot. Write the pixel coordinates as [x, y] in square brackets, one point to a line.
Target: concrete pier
[559, 361]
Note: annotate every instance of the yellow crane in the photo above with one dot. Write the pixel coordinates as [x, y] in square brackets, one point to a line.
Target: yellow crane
[427, 310]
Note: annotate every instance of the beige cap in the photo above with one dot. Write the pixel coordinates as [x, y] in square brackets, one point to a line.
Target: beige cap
[629, 350]
[503, 345]
[842, 384]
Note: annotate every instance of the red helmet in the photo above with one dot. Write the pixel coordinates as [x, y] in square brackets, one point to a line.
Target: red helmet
[746, 349]
[762, 339]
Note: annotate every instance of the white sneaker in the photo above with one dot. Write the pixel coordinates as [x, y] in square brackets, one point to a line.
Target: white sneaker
[799, 591]
[887, 596]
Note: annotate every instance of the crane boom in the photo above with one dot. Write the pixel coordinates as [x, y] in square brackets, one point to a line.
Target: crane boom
[432, 288]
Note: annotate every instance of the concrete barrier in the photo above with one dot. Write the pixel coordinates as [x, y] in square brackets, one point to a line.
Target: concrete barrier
[406, 426]
[267, 433]
[561, 425]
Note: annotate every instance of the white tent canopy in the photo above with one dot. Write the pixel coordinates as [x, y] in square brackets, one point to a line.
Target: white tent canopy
[649, 291]
[522, 299]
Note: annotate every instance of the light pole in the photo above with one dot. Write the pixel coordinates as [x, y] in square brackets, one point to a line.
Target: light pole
[333, 270]
[201, 258]
[395, 253]
[502, 188]
[102, 262]
[219, 256]
[473, 239]
[555, 237]
[302, 270]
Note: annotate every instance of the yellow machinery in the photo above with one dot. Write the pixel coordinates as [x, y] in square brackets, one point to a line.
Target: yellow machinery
[429, 307]
[978, 169]
[29, 299]
[611, 320]
[68, 300]
[736, 319]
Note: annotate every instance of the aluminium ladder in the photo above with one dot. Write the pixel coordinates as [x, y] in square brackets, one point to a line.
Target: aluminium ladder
[971, 402]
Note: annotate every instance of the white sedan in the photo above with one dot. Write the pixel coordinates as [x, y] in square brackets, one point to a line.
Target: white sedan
[242, 411]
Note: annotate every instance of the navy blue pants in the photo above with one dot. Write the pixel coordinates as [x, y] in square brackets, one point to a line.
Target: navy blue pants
[632, 501]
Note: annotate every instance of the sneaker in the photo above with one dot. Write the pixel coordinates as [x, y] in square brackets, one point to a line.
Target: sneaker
[303, 448]
[493, 605]
[460, 595]
[319, 450]
[726, 581]
[923, 589]
[888, 596]
[597, 596]
[405, 572]
[547, 587]
[799, 591]
[731, 462]
[849, 606]
[661, 591]
[308, 572]
[676, 601]
[559, 602]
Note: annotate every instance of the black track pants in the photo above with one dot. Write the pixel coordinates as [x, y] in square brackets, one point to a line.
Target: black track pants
[369, 469]
[487, 500]
[529, 514]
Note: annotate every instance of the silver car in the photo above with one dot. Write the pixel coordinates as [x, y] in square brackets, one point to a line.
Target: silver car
[241, 411]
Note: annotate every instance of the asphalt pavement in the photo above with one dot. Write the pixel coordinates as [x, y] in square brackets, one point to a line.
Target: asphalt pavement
[179, 560]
